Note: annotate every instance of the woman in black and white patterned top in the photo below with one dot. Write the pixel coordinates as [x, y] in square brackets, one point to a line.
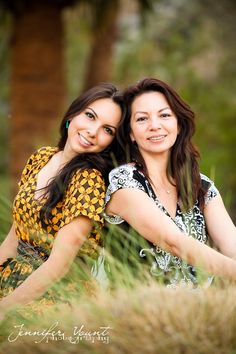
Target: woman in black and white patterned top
[161, 192]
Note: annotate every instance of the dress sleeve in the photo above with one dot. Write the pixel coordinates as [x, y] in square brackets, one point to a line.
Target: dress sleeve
[212, 191]
[119, 178]
[85, 197]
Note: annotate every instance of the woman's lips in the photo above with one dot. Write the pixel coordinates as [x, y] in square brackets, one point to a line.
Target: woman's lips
[156, 137]
[84, 141]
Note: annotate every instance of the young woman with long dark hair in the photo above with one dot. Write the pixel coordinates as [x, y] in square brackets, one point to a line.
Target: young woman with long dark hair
[161, 192]
[57, 213]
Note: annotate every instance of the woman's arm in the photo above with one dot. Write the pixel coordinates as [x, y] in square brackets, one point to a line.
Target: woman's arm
[220, 227]
[65, 248]
[142, 214]
[8, 248]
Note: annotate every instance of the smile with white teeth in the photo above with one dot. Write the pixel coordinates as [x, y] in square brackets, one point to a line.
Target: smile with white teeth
[157, 138]
[84, 140]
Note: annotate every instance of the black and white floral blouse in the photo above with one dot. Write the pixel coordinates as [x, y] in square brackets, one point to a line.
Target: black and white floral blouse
[165, 265]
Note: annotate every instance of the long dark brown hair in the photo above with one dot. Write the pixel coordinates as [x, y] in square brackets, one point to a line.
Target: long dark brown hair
[183, 165]
[102, 161]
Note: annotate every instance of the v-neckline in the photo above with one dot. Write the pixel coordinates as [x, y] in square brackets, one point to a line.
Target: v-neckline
[39, 168]
[156, 198]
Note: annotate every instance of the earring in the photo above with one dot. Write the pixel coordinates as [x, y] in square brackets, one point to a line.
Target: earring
[67, 124]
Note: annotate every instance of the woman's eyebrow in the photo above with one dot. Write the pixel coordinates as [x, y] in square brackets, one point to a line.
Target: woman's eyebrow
[108, 125]
[142, 112]
[111, 126]
[163, 109]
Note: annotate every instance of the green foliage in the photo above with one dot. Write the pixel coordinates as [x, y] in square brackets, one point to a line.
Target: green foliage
[141, 315]
[137, 309]
[5, 217]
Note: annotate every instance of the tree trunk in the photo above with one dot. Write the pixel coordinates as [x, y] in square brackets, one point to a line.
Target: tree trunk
[37, 81]
[99, 66]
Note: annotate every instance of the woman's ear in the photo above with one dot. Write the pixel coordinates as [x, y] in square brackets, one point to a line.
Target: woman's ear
[132, 137]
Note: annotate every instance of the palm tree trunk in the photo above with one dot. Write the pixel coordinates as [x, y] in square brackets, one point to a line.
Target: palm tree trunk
[37, 81]
[99, 66]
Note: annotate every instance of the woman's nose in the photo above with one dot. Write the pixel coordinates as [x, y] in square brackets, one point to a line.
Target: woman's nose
[92, 130]
[155, 123]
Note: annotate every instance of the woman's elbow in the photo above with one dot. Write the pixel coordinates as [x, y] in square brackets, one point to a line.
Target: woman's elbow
[176, 245]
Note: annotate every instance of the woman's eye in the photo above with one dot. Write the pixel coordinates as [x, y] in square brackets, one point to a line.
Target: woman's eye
[165, 115]
[141, 119]
[90, 115]
[108, 130]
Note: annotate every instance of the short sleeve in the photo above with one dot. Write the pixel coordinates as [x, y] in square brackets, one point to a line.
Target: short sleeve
[212, 191]
[85, 197]
[119, 178]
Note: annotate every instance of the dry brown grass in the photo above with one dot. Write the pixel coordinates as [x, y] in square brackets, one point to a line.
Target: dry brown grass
[147, 319]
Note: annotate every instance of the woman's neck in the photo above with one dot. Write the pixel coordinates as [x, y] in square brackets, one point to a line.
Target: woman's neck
[157, 166]
[66, 155]
[163, 185]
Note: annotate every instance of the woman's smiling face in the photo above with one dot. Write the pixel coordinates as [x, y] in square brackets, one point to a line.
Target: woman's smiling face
[94, 128]
[154, 125]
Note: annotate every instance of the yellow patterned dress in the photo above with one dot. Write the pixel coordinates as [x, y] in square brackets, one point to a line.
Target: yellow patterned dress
[84, 196]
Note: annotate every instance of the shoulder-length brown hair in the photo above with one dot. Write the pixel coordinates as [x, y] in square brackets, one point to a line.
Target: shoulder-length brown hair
[183, 165]
[102, 161]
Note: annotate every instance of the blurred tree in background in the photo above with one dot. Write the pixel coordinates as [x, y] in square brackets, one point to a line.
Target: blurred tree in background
[37, 84]
[104, 35]
[188, 43]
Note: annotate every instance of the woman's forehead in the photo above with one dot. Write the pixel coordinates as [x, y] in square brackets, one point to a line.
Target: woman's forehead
[149, 100]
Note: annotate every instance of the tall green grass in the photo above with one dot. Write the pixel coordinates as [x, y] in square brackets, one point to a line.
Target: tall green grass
[5, 216]
[131, 310]
[144, 319]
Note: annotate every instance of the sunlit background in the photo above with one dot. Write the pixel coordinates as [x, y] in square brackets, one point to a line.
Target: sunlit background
[52, 50]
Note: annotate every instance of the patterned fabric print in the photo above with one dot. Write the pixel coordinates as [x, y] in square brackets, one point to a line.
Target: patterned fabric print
[120, 177]
[171, 269]
[13, 272]
[84, 196]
